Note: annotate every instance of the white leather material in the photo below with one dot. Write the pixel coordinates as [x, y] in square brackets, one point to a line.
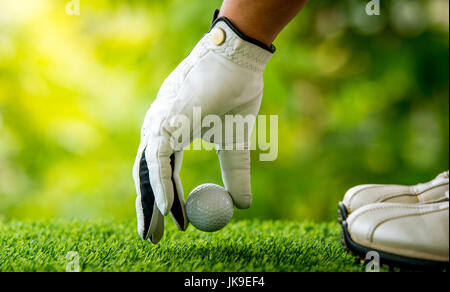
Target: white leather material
[235, 167]
[411, 230]
[433, 191]
[222, 76]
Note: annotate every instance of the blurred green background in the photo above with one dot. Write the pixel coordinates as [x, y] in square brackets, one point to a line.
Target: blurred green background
[360, 100]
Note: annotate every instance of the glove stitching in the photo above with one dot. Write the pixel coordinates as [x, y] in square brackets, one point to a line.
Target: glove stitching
[254, 61]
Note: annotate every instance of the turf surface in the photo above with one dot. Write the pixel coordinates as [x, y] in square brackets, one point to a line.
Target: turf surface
[115, 246]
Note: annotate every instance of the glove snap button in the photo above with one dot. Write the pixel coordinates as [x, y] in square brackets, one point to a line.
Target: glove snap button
[217, 36]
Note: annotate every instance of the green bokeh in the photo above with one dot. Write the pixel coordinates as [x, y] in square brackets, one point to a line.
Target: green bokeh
[360, 100]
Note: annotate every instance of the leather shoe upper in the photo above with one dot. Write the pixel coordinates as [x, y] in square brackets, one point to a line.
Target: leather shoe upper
[432, 191]
[411, 230]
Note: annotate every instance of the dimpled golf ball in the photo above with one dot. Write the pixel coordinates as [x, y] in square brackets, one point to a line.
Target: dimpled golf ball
[209, 207]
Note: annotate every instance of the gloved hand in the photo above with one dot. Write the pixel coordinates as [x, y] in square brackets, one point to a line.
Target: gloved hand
[222, 76]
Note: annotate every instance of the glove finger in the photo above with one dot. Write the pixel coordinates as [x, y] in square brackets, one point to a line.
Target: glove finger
[235, 166]
[157, 160]
[145, 199]
[178, 210]
[156, 226]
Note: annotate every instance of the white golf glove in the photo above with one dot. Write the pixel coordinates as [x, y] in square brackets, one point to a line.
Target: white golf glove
[221, 76]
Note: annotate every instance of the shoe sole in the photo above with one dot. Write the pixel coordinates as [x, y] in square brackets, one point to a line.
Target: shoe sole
[342, 213]
[388, 259]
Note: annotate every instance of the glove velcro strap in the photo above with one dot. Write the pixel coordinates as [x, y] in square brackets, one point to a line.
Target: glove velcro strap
[238, 48]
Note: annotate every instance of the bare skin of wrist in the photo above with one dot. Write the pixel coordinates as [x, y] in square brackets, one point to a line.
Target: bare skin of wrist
[262, 20]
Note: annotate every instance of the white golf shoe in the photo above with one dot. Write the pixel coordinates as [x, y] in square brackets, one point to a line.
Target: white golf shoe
[425, 193]
[404, 235]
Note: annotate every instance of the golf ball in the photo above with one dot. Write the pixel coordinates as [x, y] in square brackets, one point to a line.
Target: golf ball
[209, 207]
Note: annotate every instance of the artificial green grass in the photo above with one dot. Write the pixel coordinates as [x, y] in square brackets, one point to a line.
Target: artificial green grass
[115, 246]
